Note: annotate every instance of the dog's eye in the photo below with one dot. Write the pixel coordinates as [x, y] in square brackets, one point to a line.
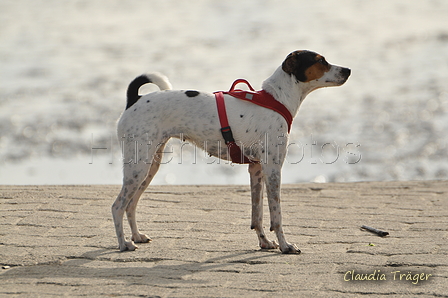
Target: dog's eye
[323, 61]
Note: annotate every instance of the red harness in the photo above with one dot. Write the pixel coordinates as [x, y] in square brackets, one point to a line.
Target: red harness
[261, 98]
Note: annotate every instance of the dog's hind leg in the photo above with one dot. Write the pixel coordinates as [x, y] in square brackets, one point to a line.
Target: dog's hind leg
[131, 208]
[256, 185]
[130, 213]
[134, 175]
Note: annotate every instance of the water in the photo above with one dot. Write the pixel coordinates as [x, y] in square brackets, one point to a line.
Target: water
[64, 69]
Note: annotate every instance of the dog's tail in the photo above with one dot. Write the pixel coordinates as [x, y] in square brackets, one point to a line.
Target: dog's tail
[157, 79]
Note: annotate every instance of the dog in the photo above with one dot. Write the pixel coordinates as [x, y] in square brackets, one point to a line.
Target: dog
[149, 121]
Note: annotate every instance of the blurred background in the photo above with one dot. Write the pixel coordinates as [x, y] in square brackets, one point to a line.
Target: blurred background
[65, 67]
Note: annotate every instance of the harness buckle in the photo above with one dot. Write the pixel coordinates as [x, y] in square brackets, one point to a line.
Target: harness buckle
[227, 135]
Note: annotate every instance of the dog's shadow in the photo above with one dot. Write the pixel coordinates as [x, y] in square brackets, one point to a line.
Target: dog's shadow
[112, 265]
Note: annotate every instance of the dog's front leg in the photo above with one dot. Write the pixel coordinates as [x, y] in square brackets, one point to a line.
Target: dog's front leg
[273, 182]
[256, 185]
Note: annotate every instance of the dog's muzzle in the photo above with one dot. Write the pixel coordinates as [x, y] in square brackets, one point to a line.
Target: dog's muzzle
[344, 73]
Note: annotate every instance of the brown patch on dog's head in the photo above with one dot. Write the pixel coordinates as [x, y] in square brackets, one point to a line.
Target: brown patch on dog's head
[305, 65]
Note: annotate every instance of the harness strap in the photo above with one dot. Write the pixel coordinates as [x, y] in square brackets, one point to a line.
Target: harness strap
[223, 117]
[236, 155]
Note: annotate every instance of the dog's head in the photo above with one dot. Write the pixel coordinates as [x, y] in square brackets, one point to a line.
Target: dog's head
[310, 67]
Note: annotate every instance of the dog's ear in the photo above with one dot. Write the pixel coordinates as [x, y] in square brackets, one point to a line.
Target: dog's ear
[289, 63]
[297, 62]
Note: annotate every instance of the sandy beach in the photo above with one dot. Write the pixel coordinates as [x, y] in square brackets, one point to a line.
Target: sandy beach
[60, 241]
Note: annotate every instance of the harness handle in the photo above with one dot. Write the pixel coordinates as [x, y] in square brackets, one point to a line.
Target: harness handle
[238, 82]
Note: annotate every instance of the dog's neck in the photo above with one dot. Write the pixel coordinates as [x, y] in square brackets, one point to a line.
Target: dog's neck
[286, 89]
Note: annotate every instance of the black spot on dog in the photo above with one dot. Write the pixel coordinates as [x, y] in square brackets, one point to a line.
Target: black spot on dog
[191, 93]
[241, 116]
[148, 101]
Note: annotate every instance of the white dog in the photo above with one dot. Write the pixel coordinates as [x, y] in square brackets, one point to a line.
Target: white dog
[149, 121]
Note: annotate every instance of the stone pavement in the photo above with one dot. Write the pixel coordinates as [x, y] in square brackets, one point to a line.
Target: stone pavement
[60, 241]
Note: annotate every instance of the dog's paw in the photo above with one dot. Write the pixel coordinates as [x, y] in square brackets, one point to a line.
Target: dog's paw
[141, 238]
[267, 244]
[290, 249]
[128, 246]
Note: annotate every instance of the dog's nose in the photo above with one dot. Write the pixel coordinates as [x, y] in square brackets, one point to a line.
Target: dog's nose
[346, 72]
